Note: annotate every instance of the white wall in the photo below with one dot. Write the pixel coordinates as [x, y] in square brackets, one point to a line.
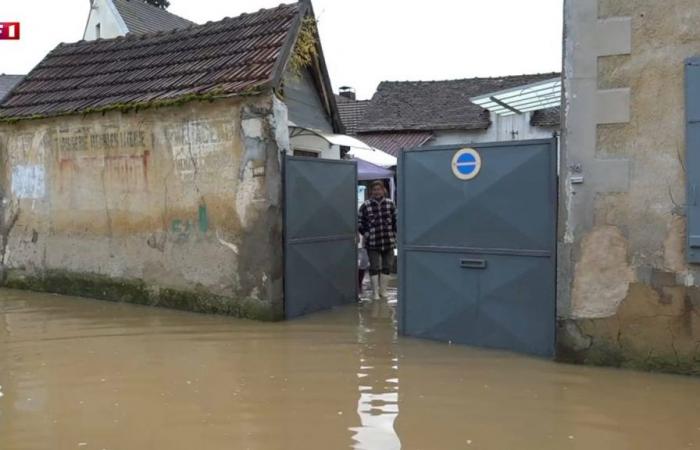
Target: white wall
[500, 130]
[103, 12]
[313, 143]
[504, 127]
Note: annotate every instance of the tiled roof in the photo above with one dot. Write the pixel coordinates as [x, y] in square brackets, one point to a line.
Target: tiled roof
[141, 18]
[436, 105]
[351, 112]
[7, 82]
[395, 143]
[550, 117]
[228, 57]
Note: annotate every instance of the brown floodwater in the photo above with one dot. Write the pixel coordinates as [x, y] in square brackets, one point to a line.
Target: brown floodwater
[85, 374]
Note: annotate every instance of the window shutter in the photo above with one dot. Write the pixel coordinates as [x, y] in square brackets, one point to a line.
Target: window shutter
[692, 155]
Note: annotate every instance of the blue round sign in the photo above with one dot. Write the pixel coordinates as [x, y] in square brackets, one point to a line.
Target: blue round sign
[466, 164]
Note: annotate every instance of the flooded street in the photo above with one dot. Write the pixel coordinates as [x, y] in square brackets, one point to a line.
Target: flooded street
[85, 374]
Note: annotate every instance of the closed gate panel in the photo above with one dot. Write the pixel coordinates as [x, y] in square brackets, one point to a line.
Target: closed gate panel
[320, 229]
[508, 205]
[477, 256]
[448, 294]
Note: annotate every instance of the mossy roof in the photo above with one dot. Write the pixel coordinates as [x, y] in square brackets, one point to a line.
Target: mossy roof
[229, 57]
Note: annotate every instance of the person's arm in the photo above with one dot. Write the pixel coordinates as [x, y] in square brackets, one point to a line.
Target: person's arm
[393, 216]
[362, 225]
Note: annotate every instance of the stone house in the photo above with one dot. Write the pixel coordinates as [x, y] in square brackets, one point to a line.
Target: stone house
[147, 168]
[408, 114]
[628, 275]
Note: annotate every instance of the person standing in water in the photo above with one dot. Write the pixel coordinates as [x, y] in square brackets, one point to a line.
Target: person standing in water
[377, 223]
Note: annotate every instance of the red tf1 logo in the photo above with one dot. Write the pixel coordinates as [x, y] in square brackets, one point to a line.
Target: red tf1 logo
[9, 30]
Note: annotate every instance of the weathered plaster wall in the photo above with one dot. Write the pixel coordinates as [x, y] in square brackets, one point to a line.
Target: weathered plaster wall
[177, 206]
[626, 294]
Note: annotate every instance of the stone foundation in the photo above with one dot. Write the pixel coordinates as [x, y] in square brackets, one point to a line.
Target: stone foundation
[656, 327]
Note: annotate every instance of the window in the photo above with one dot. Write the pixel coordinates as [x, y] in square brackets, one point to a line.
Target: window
[98, 31]
[306, 153]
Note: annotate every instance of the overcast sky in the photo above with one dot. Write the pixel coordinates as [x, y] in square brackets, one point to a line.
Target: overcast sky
[364, 41]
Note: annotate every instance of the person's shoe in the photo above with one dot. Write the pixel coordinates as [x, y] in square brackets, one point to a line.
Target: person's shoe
[383, 283]
[375, 287]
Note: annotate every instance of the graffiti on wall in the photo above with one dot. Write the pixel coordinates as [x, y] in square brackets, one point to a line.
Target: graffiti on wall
[197, 145]
[184, 228]
[108, 137]
[110, 155]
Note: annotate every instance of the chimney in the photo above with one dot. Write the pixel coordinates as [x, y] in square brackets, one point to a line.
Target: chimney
[347, 92]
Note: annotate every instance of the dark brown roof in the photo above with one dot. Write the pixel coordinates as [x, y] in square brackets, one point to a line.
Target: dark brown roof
[228, 57]
[550, 117]
[436, 105]
[395, 143]
[7, 82]
[141, 18]
[351, 112]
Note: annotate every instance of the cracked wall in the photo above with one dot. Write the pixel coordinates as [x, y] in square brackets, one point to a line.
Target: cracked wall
[181, 206]
[627, 296]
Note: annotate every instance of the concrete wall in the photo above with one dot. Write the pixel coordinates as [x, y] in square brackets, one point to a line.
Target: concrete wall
[177, 206]
[104, 13]
[627, 297]
[508, 128]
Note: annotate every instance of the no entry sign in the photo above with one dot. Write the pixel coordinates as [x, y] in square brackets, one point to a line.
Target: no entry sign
[466, 164]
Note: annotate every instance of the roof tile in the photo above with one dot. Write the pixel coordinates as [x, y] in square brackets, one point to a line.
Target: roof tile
[436, 105]
[395, 143]
[225, 57]
[351, 112]
[140, 17]
[7, 83]
[550, 117]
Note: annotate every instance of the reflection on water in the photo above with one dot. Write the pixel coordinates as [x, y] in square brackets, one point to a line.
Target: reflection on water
[378, 376]
[85, 374]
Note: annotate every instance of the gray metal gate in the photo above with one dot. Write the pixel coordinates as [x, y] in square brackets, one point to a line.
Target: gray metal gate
[320, 223]
[477, 250]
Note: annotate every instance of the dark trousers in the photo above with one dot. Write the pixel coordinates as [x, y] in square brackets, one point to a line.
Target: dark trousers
[380, 261]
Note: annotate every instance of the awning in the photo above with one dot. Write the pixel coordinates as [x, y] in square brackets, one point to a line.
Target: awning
[358, 149]
[367, 171]
[374, 156]
[522, 99]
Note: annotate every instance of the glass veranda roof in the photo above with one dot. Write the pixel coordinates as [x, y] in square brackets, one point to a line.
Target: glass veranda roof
[522, 99]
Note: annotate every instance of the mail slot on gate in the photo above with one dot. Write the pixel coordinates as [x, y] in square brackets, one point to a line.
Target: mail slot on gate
[694, 241]
[473, 264]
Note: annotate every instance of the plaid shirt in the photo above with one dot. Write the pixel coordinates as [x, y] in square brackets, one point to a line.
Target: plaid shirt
[377, 222]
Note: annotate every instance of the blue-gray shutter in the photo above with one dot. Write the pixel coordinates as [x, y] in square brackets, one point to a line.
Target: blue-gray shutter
[692, 96]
